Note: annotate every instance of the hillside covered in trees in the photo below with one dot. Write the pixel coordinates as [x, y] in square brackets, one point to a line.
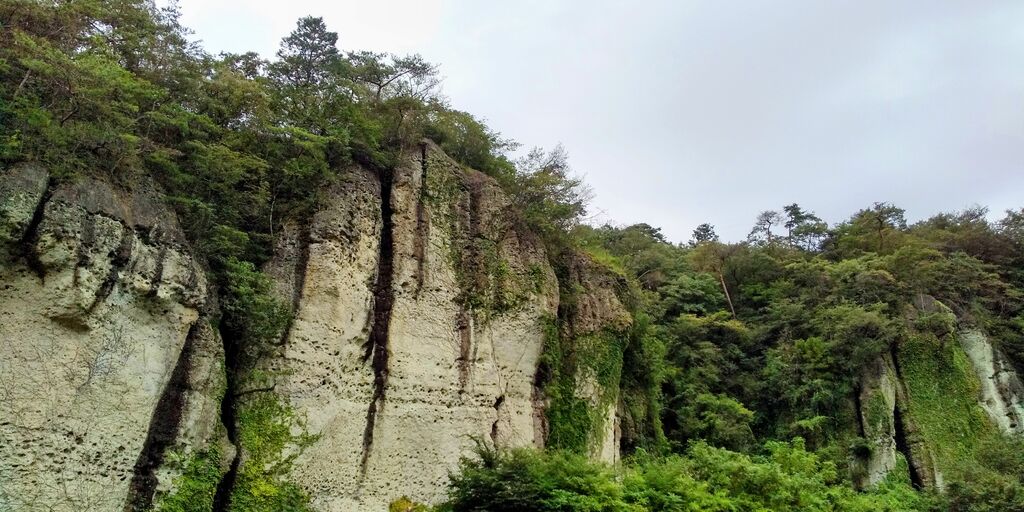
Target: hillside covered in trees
[776, 373]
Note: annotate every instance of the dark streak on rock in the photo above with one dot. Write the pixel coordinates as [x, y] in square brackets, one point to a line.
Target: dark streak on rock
[861, 431]
[298, 278]
[232, 363]
[903, 447]
[158, 274]
[422, 223]
[119, 259]
[464, 324]
[497, 413]
[301, 264]
[376, 348]
[163, 429]
[901, 428]
[82, 252]
[31, 236]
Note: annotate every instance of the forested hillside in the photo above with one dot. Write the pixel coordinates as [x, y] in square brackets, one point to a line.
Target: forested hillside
[868, 364]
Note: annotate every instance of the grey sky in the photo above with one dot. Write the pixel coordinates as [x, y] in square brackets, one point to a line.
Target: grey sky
[681, 112]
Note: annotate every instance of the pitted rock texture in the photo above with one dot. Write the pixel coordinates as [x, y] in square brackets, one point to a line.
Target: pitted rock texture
[99, 295]
[463, 343]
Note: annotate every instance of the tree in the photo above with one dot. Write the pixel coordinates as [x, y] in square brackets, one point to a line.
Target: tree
[704, 233]
[468, 140]
[1012, 226]
[879, 229]
[312, 88]
[711, 257]
[804, 228]
[551, 198]
[882, 218]
[762, 234]
[387, 75]
[308, 55]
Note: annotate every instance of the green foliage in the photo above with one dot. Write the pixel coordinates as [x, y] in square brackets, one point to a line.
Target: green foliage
[194, 490]
[644, 371]
[523, 481]
[706, 361]
[551, 199]
[265, 435]
[995, 485]
[785, 477]
[582, 381]
[469, 141]
[251, 311]
[943, 392]
[404, 504]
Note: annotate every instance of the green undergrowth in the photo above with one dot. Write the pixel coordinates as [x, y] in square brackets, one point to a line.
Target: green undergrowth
[783, 476]
[605, 259]
[267, 436]
[194, 489]
[943, 393]
[404, 504]
[879, 414]
[576, 421]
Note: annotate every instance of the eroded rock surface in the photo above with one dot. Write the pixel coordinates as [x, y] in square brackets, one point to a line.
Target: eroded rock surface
[1001, 390]
[99, 298]
[877, 408]
[468, 292]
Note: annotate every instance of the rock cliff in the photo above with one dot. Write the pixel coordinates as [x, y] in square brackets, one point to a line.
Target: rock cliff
[108, 364]
[421, 305]
[420, 310]
[924, 405]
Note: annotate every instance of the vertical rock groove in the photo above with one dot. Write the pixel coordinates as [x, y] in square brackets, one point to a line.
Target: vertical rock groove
[498, 403]
[903, 447]
[301, 266]
[861, 431]
[422, 222]
[88, 224]
[900, 427]
[163, 429]
[158, 274]
[119, 261]
[31, 236]
[298, 277]
[376, 349]
[222, 496]
[465, 326]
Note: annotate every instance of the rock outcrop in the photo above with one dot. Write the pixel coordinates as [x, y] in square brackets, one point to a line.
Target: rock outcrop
[927, 401]
[420, 305]
[107, 360]
[593, 323]
[1001, 394]
[877, 401]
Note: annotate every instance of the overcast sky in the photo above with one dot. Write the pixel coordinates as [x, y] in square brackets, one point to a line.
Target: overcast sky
[681, 112]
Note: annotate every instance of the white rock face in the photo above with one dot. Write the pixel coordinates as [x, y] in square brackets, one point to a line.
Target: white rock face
[97, 300]
[453, 374]
[109, 361]
[877, 406]
[1001, 390]
[323, 376]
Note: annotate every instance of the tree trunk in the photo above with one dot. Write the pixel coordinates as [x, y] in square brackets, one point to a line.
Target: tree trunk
[725, 289]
